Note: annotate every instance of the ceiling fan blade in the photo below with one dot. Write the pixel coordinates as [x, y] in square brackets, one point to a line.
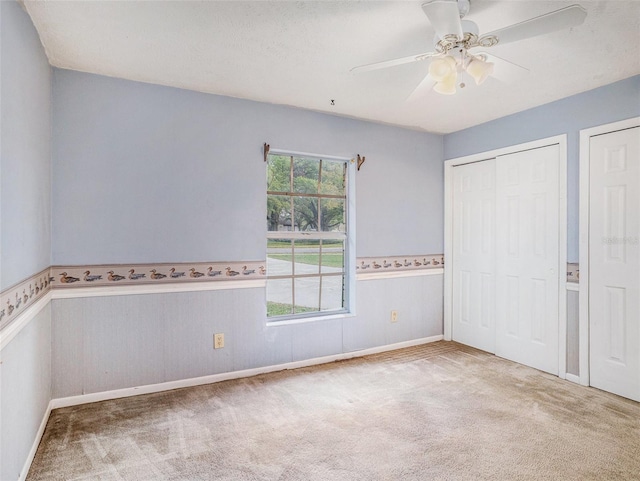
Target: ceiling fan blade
[422, 89]
[444, 17]
[394, 62]
[504, 70]
[550, 22]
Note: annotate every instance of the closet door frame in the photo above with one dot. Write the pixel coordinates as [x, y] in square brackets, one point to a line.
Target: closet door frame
[585, 180]
[561, 141]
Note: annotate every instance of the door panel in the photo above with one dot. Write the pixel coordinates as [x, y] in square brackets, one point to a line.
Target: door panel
[527, 233]
[614, 262]
[505, 256]
[473, 260]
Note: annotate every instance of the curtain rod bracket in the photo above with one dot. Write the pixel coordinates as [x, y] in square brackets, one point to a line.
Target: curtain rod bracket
[360, 161]
[266, 151]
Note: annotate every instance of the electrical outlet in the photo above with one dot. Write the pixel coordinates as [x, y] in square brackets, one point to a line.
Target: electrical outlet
[218, 341]
[394, 316]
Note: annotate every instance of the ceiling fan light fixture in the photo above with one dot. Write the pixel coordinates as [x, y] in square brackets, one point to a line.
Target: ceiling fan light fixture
[455, 38]
[479, 69]
[447, 86]
[441, 68]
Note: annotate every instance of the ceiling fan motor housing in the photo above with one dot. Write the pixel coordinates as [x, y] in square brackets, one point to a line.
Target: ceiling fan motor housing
[468, 26]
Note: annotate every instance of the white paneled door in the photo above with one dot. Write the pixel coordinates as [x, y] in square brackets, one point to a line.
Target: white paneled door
[527, 277]
[614, 262]
[505, 256]
[474, 255]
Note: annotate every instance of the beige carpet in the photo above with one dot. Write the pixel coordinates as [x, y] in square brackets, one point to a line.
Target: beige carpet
[436, 412]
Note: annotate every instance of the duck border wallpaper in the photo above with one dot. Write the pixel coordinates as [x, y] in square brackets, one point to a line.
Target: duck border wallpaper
[399, 263]
[15, 300]
[573, 272]
[161, 273]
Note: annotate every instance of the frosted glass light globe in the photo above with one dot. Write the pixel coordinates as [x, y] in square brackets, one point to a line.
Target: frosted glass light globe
[479, 70]
[441, 68]
[447, 86]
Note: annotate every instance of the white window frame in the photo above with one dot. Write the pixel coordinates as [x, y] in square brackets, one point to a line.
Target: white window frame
[349, 250]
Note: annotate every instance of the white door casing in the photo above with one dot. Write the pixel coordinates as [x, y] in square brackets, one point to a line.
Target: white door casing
[527, 276]
[614, 262]
[474, 255]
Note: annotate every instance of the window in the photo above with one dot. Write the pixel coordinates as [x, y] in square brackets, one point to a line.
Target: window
[307, 236]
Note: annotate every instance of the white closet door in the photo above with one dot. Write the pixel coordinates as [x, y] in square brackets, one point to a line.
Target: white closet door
[614, 262]
[527, 234]
[474, 255]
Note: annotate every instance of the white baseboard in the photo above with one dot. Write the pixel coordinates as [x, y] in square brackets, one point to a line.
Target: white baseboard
[36, 443]
[168, 386]
[573, 378]
[197, 381]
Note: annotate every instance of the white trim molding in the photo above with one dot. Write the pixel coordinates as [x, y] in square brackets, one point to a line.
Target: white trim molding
[275, 151]
[8, 333]
[573, 286]
[36, 442]
[573, 378]
[561, 141]
[583, 303]
[368, 276]
[563, 227]
[108, 291]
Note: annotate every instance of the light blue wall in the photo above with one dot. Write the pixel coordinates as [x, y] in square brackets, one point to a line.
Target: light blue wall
[573, 333]
[145, 173]
[25, 149]
[25, 234]
[107, 343]
[617, 101]
[25, 392]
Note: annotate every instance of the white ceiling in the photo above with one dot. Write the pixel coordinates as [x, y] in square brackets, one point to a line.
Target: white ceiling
[301, 53]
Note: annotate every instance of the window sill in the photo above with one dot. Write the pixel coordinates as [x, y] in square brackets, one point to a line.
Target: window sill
[304, 320]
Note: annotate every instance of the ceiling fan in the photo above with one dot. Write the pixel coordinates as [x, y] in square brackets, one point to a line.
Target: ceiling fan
[456, 41]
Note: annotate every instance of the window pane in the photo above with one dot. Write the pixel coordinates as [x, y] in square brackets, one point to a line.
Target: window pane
[307, 256]
[332, 215]
[332, 256]
[305, 213]
[307, 294]
[298, 205]
[279, 213]
[279, 297]
[305, 175]
[279, 257]
[332, 293]
[279, 173]
[333, 176]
